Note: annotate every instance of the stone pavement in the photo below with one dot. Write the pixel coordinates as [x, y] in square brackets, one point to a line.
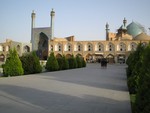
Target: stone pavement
[86, 90]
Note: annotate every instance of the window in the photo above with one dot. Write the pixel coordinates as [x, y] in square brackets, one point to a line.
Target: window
[51, 47]
[79, 48]
[59, 48]
[69, 48]
[26, 49]
[89, 47]
[111, 47]
[100, 47]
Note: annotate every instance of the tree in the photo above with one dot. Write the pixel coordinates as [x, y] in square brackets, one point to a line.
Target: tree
[72, 62]
[65, 63]
[31, 63]
[13, 65]
[36, 64]
[60, 63]
[52, 63]
[83, 63]
[134, 62]
[79, 62]
[142, 103]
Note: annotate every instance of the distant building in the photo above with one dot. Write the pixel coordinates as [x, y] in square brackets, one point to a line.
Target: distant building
[20, 47]
[115, 48]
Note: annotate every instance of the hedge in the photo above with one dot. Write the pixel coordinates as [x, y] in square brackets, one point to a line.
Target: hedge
[138, 74]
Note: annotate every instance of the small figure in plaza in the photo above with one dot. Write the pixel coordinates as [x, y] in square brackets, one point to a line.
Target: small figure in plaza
[104, 62]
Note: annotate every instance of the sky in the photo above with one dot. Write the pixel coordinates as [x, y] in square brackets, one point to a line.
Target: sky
[84, 19]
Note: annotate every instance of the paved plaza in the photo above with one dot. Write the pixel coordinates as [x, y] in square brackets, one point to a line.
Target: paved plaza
[86, 90]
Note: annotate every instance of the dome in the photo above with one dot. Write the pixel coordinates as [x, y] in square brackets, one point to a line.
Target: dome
[142, 36]
[134, 29]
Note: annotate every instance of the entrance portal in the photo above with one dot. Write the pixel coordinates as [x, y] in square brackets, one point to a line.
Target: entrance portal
[99, 57]
[43, 47]
[110, 58]
[121, 58]
[2, 58]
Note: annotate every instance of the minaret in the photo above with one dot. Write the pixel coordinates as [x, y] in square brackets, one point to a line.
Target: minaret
[52, 24]
[124, 22]
[107, 31]
[32, 26]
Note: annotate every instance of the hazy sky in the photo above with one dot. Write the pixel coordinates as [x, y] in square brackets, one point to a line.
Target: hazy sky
[85, 19]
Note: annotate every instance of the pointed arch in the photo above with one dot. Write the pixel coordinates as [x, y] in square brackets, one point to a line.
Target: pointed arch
[90, 46]
[79, 46]
[133, 46]
[122, 46]
[26, 48]
[2, 58]
[58, 55]
[43, 46]
[100, 47]
[110, 58]
[18, 48]
[89, 57]
[68, 56]
[79, 55]
[58, 47]
[121, 58]
[111, 47]
[69, 47]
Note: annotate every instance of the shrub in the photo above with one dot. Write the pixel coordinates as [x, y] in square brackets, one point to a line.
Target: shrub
[75, 62]
[142, 103]
[139, 78]
[79, 62]
[72, 62]
[52, 63]
[36, 64]
[31, 63]
[65, 63]
[13, 65]
[60, 63]
[83, 63]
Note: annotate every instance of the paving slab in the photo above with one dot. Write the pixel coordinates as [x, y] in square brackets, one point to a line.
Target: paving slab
[86, 90]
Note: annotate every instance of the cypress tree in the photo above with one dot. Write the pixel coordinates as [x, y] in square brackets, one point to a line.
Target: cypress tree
[31, 63]
[142, 103]
[79, 62]
[83, 63]
[13, 65]
[36, 63]
[60, 63]
[65, 63]
[52, 63]
[72, 62]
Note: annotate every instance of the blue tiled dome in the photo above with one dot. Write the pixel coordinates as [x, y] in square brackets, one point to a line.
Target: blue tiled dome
[134, 29]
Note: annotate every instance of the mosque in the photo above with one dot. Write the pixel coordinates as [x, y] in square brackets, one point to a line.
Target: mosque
[115, 48]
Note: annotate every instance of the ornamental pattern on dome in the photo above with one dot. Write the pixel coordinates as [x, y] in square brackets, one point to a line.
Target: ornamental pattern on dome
[135, 29]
